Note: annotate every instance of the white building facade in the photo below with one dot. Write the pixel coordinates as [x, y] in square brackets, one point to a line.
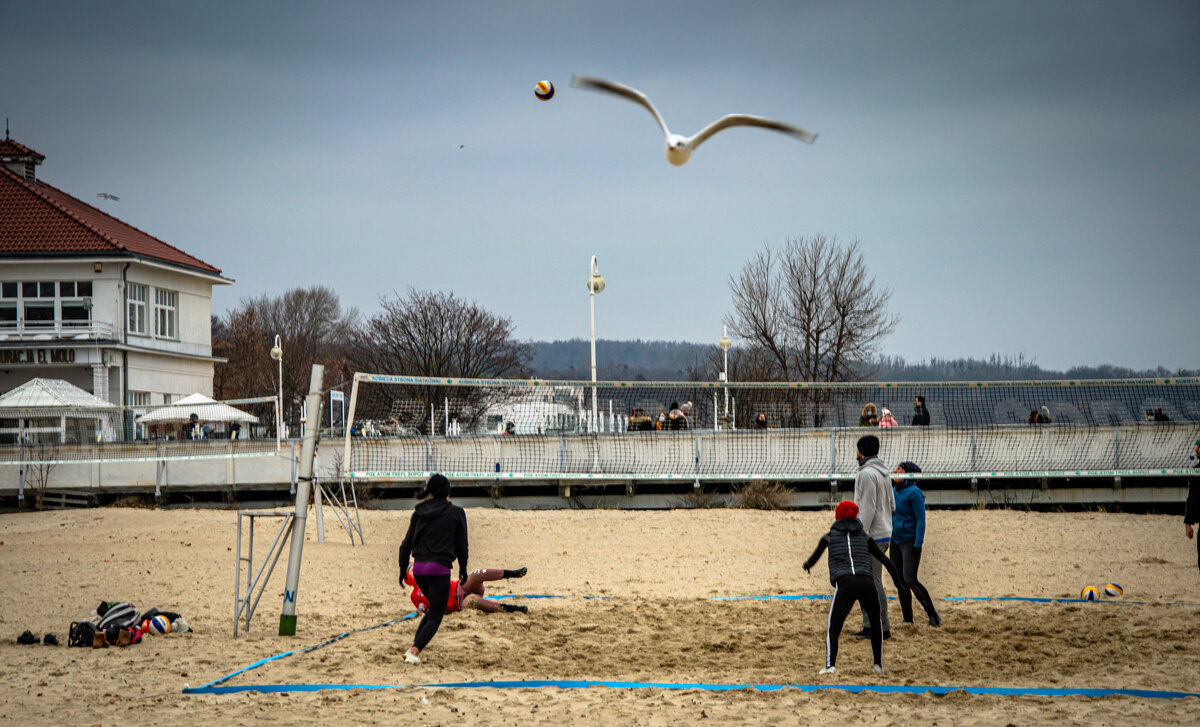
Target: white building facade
[92, 300]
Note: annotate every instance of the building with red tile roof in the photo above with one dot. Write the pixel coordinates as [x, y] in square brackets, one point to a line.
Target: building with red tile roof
[93, 300]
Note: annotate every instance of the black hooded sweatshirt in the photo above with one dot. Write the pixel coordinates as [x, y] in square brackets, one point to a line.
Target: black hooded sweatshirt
[437, 533]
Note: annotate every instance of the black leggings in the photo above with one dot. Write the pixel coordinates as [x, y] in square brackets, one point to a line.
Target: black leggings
[847, 590]
[907, 560]
[437, 590]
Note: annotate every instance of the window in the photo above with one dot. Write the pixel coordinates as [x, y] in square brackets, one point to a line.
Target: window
[8, 303]
[39, 314]
[46, 304]
[135, 302]
[75, 303]
[166, 313]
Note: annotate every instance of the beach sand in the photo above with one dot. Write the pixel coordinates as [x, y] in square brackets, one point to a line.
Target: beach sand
[658, 573]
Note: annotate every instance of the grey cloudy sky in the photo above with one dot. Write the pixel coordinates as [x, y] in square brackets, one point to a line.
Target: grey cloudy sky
[1023, 175]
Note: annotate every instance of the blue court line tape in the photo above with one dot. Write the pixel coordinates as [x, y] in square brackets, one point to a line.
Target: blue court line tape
[212, 688]
[305, 650]
[1025, 599]
[576, 684]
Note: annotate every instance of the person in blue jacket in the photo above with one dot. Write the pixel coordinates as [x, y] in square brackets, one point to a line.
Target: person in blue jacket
[908, 539]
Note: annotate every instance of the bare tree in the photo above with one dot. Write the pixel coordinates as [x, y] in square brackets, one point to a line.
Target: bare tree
[313, 328]
[812, 313]
[40, 471]
[427, 333]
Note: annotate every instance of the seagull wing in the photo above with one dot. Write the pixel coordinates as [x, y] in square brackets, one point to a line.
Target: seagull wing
[599, 84]
[731, 120]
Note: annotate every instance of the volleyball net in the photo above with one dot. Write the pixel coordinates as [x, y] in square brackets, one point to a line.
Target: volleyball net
[43, 431]
[405, 427]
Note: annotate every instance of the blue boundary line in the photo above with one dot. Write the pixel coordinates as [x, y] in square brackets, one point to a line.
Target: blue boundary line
[577, 684]
[960, 599]
[213, 688]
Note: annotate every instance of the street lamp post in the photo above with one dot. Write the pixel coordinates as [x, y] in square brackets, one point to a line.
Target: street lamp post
[725, 343]
[595, 285]
[277, 354]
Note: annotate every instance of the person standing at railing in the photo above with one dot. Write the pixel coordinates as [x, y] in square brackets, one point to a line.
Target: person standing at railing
[1191, 510]
[869, 417]
[920, 413]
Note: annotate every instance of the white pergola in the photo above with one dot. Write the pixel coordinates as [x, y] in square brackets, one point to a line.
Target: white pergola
[54, 399]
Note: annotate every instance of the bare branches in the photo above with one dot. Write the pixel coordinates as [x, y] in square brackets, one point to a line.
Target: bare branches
[812, 310]
[429, 333]
[312, 326]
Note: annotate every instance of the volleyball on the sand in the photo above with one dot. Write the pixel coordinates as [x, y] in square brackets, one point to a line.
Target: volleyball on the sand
[544, 90]
[1114, 590]
[1091, 593]
[160, 625]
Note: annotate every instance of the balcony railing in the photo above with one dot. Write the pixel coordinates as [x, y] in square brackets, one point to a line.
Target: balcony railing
[55, 331]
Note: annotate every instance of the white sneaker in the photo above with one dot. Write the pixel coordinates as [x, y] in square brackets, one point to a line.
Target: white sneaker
[828, 670]
[412, 658]
[877, 668]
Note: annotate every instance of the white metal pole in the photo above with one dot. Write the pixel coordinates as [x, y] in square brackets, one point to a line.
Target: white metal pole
[287, 619]
[592, 297]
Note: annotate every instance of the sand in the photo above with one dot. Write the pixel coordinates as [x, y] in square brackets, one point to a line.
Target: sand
[658, 572]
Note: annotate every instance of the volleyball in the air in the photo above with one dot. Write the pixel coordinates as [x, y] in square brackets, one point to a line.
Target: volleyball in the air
[544, 90]
[160, 625]
[1114, 590]
[1091, 593]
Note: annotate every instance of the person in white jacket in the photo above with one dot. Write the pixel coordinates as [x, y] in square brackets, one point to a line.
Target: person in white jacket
[876, 502]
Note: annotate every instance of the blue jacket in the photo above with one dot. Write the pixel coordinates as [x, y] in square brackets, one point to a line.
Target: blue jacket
[908, 521]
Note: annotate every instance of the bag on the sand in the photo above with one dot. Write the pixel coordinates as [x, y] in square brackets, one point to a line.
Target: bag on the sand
[82, 633]
[120, 614]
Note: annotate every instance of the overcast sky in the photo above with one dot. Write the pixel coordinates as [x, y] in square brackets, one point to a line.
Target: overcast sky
[1024, 176]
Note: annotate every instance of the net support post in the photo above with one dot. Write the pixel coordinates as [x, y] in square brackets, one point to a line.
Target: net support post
[308, 450]
[1117, 482]
[833, 493]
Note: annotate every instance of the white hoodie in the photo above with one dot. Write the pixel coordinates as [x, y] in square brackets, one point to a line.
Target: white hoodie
[875, 499]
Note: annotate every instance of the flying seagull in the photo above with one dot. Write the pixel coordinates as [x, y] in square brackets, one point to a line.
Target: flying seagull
[106, 195]
[679, 148]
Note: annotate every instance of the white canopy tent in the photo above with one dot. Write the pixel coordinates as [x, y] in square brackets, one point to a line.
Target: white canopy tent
[205, 408]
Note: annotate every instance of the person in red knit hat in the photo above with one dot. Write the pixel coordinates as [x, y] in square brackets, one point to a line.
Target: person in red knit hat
[850, 554]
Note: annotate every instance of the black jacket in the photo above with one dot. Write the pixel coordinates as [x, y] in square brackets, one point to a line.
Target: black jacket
[850, 551]
[1191, 511]
[921, 417]
[437, 533]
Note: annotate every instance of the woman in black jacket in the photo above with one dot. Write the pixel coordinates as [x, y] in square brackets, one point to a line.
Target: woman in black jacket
[437, 536]
[850, 553]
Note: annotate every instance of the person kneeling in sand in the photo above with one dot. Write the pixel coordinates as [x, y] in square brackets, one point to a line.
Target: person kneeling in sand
[850, 553]
[469, 592]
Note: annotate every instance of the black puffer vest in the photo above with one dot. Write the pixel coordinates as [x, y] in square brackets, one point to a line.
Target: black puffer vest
[848, 550]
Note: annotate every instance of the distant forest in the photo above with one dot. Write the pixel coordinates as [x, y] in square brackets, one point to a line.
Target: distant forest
[672, 360]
